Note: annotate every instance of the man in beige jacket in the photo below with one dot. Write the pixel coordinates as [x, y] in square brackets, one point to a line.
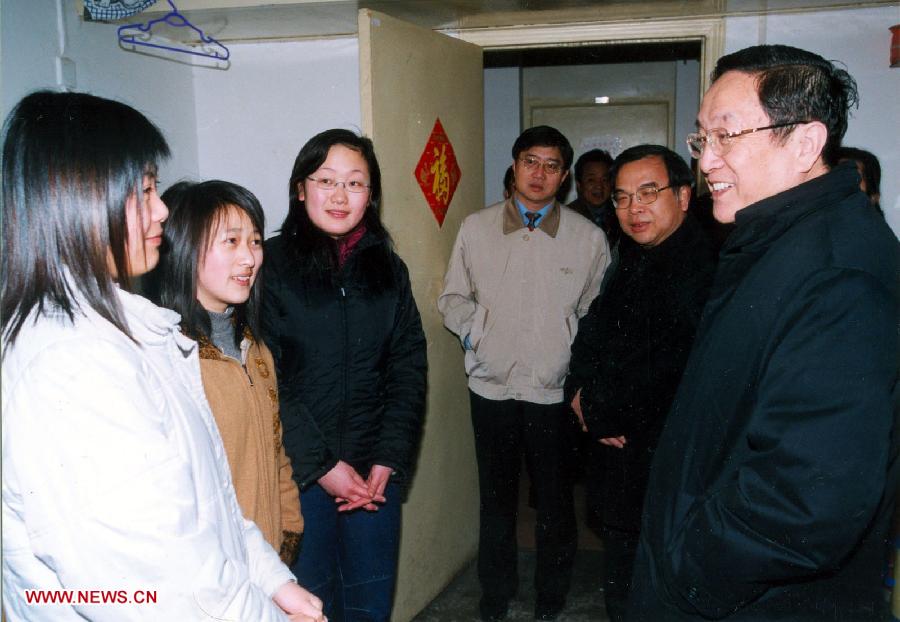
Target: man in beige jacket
[522, 273]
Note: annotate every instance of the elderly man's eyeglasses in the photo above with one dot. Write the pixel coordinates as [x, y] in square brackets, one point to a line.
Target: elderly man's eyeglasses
[645, 195]
[720, 140]
[350, 185]
[551, 167]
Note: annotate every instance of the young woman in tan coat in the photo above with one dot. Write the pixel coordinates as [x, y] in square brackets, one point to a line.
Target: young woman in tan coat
[208, 274]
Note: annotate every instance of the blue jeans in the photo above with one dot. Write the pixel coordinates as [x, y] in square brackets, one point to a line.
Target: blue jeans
[349, 560]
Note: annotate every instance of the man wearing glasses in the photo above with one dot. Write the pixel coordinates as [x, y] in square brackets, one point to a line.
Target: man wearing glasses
[633, 344]
[774, 479]
[521, 274]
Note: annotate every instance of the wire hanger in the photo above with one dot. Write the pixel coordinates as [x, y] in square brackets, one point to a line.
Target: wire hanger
[141, 34]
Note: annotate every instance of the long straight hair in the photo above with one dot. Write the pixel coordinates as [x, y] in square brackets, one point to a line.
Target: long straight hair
[195, 211]
[70, 163]
[313, 251]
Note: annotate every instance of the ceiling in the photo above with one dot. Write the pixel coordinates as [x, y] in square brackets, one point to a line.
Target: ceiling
[254, 20]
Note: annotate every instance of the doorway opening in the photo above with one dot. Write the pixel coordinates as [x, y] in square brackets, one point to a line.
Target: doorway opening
[600, 96]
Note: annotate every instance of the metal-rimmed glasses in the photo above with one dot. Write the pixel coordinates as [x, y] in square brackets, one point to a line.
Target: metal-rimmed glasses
[720, 140]
[551, 167]
[645, 195]
[350, 185]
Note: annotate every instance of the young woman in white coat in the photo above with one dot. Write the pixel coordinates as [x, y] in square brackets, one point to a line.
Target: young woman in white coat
[117, 497]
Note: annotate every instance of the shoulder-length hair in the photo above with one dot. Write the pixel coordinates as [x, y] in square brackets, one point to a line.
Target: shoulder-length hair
[313, 250]
[70, 163]
[195, 211]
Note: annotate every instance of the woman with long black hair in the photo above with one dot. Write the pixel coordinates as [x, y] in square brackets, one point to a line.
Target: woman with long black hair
[117, 501]
[347, 339]
[209, 275]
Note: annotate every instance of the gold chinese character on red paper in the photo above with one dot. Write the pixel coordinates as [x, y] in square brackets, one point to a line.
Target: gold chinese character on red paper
[438, 172]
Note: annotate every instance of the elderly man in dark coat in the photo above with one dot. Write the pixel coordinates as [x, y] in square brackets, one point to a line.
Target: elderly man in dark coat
[633, 344]
[773, 483]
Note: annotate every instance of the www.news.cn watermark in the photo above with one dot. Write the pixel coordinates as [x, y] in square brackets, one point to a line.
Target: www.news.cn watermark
[90, 597]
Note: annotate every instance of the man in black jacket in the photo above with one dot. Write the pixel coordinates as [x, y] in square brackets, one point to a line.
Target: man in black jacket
[633, 344]
[593, 199]
[774, 479]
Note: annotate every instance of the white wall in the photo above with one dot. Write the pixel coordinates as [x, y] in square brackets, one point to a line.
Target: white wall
[245, 124]
[502, 102]
[860, 39]
[161, 89]
[28, 47]
[253, 119]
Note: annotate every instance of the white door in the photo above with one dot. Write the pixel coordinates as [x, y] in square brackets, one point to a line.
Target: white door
[422, 105]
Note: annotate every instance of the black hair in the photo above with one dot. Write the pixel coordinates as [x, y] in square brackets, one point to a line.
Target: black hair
[594, 155]
[195, 210]
[509, 181]
[871, 170]
[314, 251]
[797, 86]
[676, 168]
[70, 163]
[544, 136]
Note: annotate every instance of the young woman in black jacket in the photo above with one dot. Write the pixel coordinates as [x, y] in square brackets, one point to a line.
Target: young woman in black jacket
[343, 326]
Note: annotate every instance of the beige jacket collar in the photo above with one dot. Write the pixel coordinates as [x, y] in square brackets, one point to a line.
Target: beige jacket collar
[512, 219]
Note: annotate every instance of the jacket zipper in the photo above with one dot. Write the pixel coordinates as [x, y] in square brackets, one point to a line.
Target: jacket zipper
[345, 339]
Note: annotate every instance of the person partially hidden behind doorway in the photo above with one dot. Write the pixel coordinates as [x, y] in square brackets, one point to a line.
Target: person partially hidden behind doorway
[592, 186]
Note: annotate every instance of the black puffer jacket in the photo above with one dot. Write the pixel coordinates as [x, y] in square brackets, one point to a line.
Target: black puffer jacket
[351, 366]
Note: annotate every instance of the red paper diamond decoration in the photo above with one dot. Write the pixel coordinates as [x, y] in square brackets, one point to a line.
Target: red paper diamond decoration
[437, 172]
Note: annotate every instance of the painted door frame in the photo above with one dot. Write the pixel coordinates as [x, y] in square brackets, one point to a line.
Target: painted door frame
[710, 32]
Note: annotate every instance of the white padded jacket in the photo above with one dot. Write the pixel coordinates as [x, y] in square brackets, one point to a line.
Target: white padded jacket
[115, 477]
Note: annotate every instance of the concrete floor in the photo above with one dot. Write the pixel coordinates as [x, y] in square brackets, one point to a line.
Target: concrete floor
[459, 602]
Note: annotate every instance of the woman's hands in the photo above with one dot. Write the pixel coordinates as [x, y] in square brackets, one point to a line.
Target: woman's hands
[377, 482]
[299, 604]
[351, 491]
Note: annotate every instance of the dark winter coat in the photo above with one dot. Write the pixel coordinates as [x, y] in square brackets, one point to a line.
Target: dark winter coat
[604, 217]
[770, 493]
[351, 365]
[628, 357]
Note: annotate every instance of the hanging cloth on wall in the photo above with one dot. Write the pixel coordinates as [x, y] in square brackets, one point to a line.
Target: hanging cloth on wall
[111, 10]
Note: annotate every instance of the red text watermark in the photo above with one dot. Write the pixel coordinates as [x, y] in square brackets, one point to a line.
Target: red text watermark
[90, 597]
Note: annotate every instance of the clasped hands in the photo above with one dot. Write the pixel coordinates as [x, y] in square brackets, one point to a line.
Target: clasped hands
[351, 491]
[612, 441]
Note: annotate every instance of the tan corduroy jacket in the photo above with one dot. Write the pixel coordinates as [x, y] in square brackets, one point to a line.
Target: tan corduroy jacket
[245, 406]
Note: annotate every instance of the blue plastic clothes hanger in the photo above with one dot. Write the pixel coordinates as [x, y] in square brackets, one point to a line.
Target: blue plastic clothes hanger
[139, 34]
